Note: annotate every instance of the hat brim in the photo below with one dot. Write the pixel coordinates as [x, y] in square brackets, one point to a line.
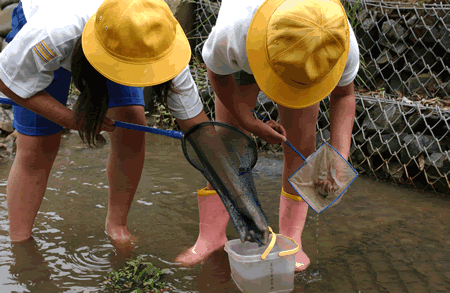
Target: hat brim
[137, 75]
[269, 82]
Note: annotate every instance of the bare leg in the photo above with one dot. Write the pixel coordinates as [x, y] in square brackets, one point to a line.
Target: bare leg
[125, 164]
[300, 126]
[27, 181]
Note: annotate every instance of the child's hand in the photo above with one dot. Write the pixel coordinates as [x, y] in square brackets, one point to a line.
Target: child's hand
[271, 131]
[108, 125]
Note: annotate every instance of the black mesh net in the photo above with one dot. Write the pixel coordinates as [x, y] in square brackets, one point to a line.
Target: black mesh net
[226, 155]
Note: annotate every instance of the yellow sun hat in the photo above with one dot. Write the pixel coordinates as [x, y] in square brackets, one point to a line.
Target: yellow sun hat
[136, 42]
[297, 49]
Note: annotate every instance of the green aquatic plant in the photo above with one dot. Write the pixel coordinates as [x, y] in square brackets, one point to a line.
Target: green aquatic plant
[136, 276]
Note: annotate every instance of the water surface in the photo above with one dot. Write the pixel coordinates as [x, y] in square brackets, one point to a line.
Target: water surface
[380, 238]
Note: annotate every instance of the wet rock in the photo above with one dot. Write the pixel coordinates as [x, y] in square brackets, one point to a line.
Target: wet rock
[384, 57]
[5, 19]
[436, 159]
[384, 41]
[438, 165]
[6, 119]
[395, 170]
[393, 30]
[417, 144]
[395, 83]
[399, 47]
[419, 57]
[359, 107]
[445, 36]
[386, 33]
[420, 83]
[363, 14]
[359, 161]
[424, 33]
[430, 20]
[387, 144]
[412, 20]
[387, 119]
[444, 88]
[368, 24]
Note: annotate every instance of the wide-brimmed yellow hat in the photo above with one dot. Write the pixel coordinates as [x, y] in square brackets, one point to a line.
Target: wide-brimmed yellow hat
[136, 42]
[297, 49]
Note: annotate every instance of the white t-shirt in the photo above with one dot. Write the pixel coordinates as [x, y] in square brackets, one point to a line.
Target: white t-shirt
[225, 52]
[46, 42]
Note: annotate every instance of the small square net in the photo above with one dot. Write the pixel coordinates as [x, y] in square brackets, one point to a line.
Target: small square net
[323, 178]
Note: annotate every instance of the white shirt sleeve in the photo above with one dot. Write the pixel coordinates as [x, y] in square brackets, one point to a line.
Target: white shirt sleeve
[185, 103]
[352, 65]
[28, 62]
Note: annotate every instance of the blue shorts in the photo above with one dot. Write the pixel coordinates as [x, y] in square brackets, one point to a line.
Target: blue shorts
[29, 123]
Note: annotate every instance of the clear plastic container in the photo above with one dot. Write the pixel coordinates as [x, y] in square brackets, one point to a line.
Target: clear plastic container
[252, 274]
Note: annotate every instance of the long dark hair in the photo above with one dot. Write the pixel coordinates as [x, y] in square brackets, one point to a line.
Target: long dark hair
[92, 104]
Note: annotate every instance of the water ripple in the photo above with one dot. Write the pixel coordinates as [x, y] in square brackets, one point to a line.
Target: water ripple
[85, 263]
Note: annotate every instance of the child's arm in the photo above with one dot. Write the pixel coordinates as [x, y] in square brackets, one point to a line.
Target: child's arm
[342, 116]
[46, 106]
[227, 91]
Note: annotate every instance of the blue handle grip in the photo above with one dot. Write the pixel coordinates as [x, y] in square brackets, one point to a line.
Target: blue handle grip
[169, 133]
[286, 142]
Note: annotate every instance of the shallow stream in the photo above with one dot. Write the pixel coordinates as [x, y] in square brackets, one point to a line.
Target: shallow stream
[379, 238]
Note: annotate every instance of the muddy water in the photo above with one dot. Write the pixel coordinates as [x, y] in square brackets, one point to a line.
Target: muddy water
[380, 238]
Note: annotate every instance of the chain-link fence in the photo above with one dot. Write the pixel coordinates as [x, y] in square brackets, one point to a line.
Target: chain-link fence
[404, 47]
[402, 122]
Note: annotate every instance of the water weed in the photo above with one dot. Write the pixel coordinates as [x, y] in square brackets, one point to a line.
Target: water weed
[136, 277]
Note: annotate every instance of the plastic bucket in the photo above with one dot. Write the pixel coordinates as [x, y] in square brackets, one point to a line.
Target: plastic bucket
[263, 269]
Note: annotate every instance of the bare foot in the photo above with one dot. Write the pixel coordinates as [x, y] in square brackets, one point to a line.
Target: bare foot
[125, 248]
[121, 239]
[20, 238]
[119, 234]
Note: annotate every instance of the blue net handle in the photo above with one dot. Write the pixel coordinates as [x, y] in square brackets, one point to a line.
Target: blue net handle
[286, 142]
[169, 133]
[126, 125]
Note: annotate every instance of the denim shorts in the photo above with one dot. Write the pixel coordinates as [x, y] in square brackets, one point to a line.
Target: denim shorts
[29, 123]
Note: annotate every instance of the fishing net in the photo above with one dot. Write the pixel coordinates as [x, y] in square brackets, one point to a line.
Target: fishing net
[323, 178]
[225, 155]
